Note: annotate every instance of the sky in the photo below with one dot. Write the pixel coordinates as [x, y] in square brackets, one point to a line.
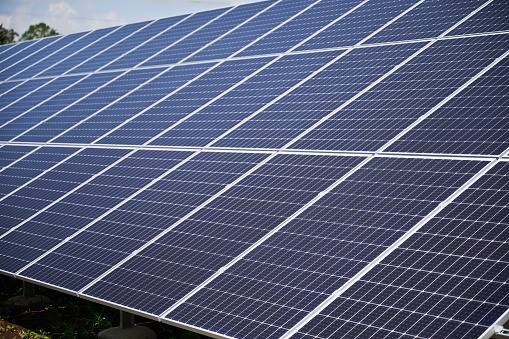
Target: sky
[84, 15]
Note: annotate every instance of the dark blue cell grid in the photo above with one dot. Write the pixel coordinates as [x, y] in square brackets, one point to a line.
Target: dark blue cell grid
[9, 154]
[492, 18]
[17, 48]
[135, 41]
[381, 113]
[29, 96]
[14, 91]
[429, 19]
[73, 89]
[116, 115]
[87, 106]
[103, 243]
[102, 43]
[449, 277]
[53, 61]
[39, 45]
[213, 30]
[358, 25]
[476, 121]
[32, 238]
[214, 235]
[223, 114]
[167, 39]
[160, 206]
[34, 59]
[30, 166]
[283, 121]
[248, 33]
[290, 274]
[303, 26]
[161, 116]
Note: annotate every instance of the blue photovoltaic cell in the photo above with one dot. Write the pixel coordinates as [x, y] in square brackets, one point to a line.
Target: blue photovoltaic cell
[411, 91]
[33, 48]
[18, 47]
[218, 232]
[278, 283]
[6, 87]
[76, 91]
[72, 115]
[53, 62]
[16, 93]
[92, 252]
[100, 44]
[136, 102]
[30, 166]
[252, 30]
[177, 106]
[358, 25]
[167, 39]
[36, 57]
[476, 121]
[217, 118]
[285, 120]
[5, 47]
[123, 47]
[429, 19]
[9, 154]
[494, 17]
[448, 278]
[130, 226]
[30, 240]
[300, 28]
[211, 31]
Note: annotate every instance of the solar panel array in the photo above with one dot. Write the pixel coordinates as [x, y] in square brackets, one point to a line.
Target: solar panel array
[289, 168]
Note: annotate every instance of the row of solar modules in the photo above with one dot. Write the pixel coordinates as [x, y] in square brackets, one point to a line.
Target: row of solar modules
[353, 100]
[261, 28]
[110, 223]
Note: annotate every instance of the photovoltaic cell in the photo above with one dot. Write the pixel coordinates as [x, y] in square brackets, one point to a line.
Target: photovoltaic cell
[18, 47]
[31, 239]
[285, 120]
[26, 52]
[411, 91]
[217, 118]
[213, 236]
[252, 30]
[474, 122]
[286, 277]
[429, 19]
[54, 61]
[15, 94]
[9, 154]
[494, 17]
[300, 28]
[169, 111]
[119, 113]
[449, 278]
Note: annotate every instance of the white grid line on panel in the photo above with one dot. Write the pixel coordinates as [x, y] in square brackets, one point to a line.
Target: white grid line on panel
[324, 67]
[124, 201]
[47, 56]
[181, 220]
[23, 157]
[8, 48]
[21, 50]
[266, 237]
[161, 73]
[68, 193]
[52, 79]
[40, 174]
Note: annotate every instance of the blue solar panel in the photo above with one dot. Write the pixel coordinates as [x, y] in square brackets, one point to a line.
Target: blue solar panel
[213, 236]
[167, 112]
[256, 28]
[17, 48]
[283, 279]
[447, 279]
[405, 95]
[18, 91]
[9, 154]
[28, 51]
[33, 59]
[494, 17]
[285, 120]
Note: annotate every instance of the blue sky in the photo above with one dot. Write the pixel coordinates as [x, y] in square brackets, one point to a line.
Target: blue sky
[83, 15]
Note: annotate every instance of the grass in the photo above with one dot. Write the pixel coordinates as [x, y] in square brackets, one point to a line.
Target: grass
[66, 317]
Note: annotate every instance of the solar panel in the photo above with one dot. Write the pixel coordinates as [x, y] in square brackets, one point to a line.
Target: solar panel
[282, 169]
